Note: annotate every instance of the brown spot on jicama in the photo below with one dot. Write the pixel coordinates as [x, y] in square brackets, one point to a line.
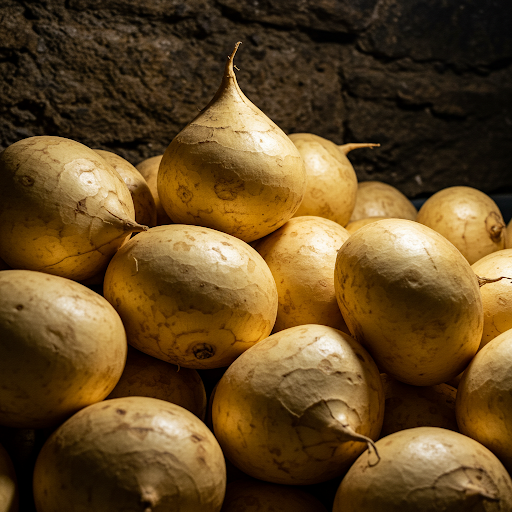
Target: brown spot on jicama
[228, 190]
[184, 194]
[182, 246]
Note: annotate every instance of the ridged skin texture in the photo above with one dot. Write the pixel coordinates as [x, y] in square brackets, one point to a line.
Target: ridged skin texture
[426, 469]
[191, 296]
[64, 210]
[135, 454]
[411, 298]
[232, 168]
[496, 296]
[484, 398]
[469, 218]
[379, 199]
[331, 179]
[63, 348]
[284, 410]
[145, 375]
[301, 256]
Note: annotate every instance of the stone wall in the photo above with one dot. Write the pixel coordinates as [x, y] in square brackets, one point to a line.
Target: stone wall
[430, 80]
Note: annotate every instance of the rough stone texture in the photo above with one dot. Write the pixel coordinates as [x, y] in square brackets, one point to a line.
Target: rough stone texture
[431, 80]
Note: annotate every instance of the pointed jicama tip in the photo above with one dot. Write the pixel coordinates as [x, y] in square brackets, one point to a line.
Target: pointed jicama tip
[134, 227]
[346, 148]
[229, 65]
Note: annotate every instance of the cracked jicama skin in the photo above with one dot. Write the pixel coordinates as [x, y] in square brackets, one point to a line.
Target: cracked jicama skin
[427, 469]
[301, 256]
[468, 218]
[331, 179]
[232, 168]
[299, 407]
[133, 453]
[411, 298]
[496, 296]
[191, 296]
[64, 210]
[63, 347]
[484, 398]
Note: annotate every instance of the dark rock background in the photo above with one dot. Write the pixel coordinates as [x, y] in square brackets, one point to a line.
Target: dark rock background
[430, 80]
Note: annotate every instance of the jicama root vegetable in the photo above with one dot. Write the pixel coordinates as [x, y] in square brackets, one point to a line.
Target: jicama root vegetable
[232, 168]
[469, 218]
[299, 407]
[64, 210]
[332, 181]
[424, 469]
[132, 453]
[411, 298]
[379, 199]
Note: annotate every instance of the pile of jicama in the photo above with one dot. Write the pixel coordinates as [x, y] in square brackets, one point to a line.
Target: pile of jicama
[239, 325]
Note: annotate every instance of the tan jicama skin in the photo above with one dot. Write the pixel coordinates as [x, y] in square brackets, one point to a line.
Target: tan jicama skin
[426, 469]
[149, 170]
[484, 398]
[411, 298]
[133, 453]
[232, 168]
[353, 226]
[9, 494]
[496, 293]
[247, 495]
[468, 218]
[378, 199]
[299, 407]
[191, 296]
[332, 181]
[301, 256]
[63, 348]
[64, 210]
[144, 375]
[417, 406]
[143, 202]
